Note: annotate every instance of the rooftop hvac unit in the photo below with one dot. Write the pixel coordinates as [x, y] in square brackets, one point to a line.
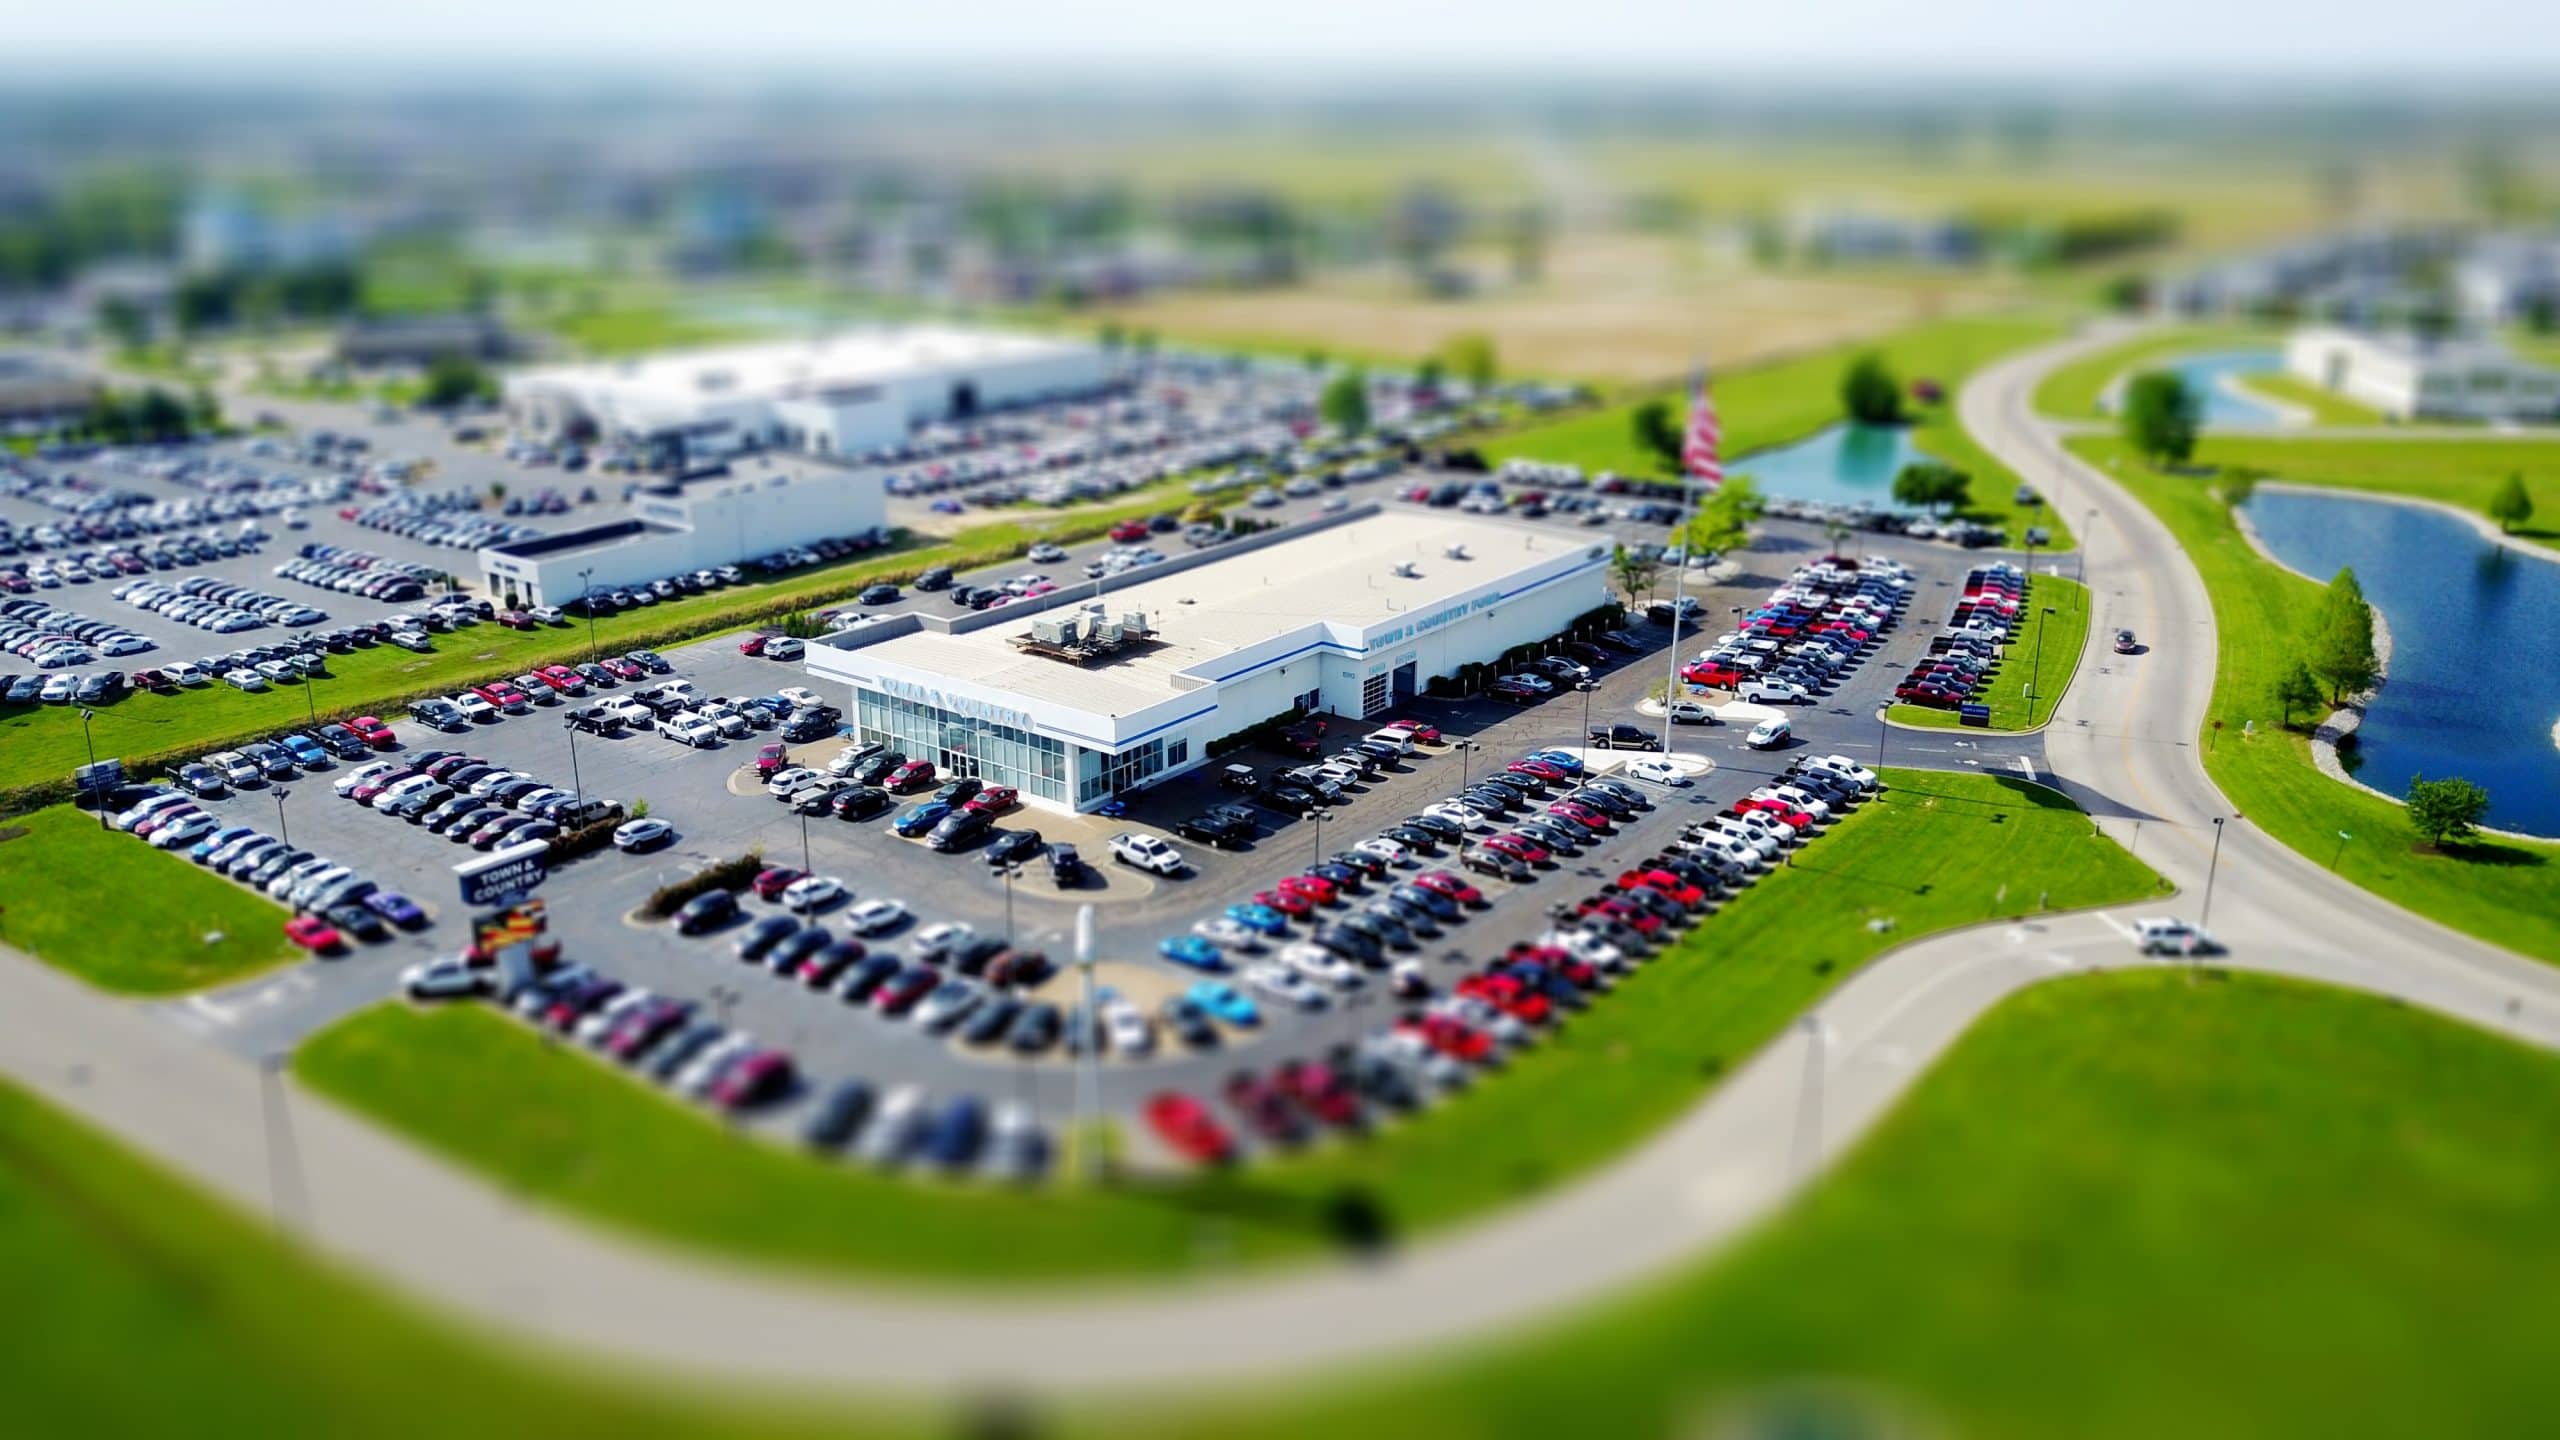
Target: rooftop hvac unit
[1403, 569]
[1106, 633]
[1457, 552]
[1068, 627]
[1134, 623]
[1049, 632]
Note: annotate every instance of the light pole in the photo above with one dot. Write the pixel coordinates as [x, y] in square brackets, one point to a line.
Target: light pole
[2087, 527]
[2035, 673]
[2341, 852]
[1006, 874]
[2205, 920]
[587, 602]
[308, 704]
[87, 715]
[576, 782]
[1466, 761]
[1316, 814]
[1587, 686]
[811, 869]
[281, 832]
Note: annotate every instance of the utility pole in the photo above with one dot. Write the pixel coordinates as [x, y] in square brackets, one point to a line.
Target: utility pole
[281, 832]
[576, 783]
[87, 715]
[2205, 920]
[587, 600]
[2035, 675]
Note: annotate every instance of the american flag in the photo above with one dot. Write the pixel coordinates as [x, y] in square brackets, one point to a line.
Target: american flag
[1701, 450]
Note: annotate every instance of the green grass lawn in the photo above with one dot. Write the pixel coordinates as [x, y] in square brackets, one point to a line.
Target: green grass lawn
[2460, 471]
[2505, 892]
[1780, 403]
[1938, 850]
[116, 912]
[639, 327]
[2047, 661]
[2125, 1205]
[2325, 406]
[2073, 391]
[2539, 347]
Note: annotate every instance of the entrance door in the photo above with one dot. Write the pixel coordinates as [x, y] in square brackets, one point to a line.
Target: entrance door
[1404, 681]
[964, 400]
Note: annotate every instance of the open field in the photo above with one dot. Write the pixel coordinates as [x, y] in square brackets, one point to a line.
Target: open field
[2461, 471]
[2073, 391]
[2505, 892]
[124, 916]
[1934, 852]
[2255, 1185]
[1784, 401]
[2059, 649]
[2252, 1186]
[2325, 407]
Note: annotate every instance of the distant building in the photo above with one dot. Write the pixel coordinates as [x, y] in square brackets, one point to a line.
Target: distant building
[423, 339]
[680, 526]
[2411, 379]
[39, 389]
[846, 395]
[226, 232]
[2507, 278]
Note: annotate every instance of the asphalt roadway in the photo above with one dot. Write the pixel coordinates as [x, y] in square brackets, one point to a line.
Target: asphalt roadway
[2121, 743]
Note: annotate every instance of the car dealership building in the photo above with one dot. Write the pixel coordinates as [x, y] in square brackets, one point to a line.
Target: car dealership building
[1106, 687]
[678, 526]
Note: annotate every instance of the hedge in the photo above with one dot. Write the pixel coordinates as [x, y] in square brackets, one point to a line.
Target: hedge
[727, 875]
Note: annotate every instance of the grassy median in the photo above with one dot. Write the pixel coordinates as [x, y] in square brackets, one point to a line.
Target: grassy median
[2504, 892]
[1937, 851]
[2323, 405]
[123, 916]
[2048, 661]
[2076, 391]
[2458, 470]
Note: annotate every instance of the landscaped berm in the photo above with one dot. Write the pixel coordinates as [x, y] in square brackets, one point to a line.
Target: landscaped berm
[119, 914]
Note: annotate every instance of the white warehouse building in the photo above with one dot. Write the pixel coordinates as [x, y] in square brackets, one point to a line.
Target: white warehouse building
[1355, 618]
[680, 526]
[843, 395]
[2410, 379]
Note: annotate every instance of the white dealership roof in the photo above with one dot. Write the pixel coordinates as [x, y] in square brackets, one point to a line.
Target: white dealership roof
[679, 381]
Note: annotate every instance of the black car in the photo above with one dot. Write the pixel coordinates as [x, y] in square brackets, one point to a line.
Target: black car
[1494, 863]
[1353, 945]
[1566, 838]
[1411, 838]
[357, 920]
[1613, 805]
[711, 907]
[1036, 1030]
[1012, 847]
[801, 729]
[767, 932]
[1220, 831]
[799, 945]
[860, 802]
[958, 792]
[1066, 867]
[1624, 737]
[1289, 798]
[868, 974]
[592, 720]
[880, 594]
[937, 578]
[1436, 826]
[1189, 1023]
[958, 829]
[1360, 860]
[1343, 877]
[838, 1116]
[877, 768]
[991, 1020]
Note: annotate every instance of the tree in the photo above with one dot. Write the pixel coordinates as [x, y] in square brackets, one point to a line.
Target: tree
[2239, 483]
[159, 415]
[1471, 358]
[2296, 690]
[1345, 403]
[1655, 434]
[1933, 483]
[454, 380]
[2447, 809]
[2340, 648]
[1633, 570]
[1427, 375]
[204, 413]
[123, 317]
[2160, 417]
[1723, 519]
[2511, 506]
[1869, 392]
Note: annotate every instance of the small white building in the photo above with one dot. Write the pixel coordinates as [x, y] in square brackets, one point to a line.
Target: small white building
[844, 395]
[1354, 618]
[2411, 379]
[680, 526]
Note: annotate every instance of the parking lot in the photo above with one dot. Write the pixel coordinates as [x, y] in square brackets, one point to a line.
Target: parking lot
[718, 811]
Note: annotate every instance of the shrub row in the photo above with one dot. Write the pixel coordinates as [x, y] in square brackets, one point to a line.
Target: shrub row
[727, 875]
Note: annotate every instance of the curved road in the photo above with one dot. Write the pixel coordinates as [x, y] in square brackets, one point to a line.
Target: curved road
[2121, 744]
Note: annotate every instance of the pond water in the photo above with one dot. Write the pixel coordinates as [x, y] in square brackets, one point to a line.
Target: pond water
[1844, 465]
[2205, 374]
[2474, 685]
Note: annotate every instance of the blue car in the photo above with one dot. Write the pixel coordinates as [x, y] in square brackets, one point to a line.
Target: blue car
[1191, 950]
[397, 908]
[920, 817]
[1113, 808]
[1224, 1001]
[204, 848]
[1258, 917]
[306, 752]
[1564, 760]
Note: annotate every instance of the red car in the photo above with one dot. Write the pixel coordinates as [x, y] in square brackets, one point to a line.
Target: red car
[1263, 1107]
[753, 644]
[314, 934]
[1644, 921]
[1506, 994]
[1314, 887]
[1441, 882]
[1519, 847]
[1580, 814]
[1450, 1037]
[503, 695]
[562, 679]
[1714, 677]
[1558, 959]
[901, 993]
[1318, 1090]
[1129, 532]
[1541, 771]
[621, 669]
[770, 884]
[1790, 816]
[752, 1080]
[1292, 903]
[1188, 1129]
[373, 732]
[994, 800]
[1427, 734]
[363, 794]
[515, 619]
[771, 757]
[914, 775]
[1665, 883]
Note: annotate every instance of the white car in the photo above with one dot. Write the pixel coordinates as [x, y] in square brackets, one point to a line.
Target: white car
[1657, 770]
[242, 679]
[786, 781]
[1322, 966]
[641, 833]
[686, 728]
[1284, 984]
[1769, 734]
[813, 892]
[1465, 817]
[1146, 852]
[1796, 795]
[873, 916]
[1385, 849]
[2155, 935]
[596, 1024]
[1535, 684]
[1045, 553]
[1772, 692]
[1127, 1028]
[473, 708]
[184, 831]
[363, 774]
[800, 696]
[850, 756]
[437, 979]
[1690, 712]
[944, 935]
[1226, 934]
[1846, 769]
[784, 648]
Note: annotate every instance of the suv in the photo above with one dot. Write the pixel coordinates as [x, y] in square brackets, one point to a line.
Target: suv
[1623, 737]
[1146, 852]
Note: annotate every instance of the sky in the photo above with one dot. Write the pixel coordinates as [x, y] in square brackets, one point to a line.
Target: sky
[2336, 40]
